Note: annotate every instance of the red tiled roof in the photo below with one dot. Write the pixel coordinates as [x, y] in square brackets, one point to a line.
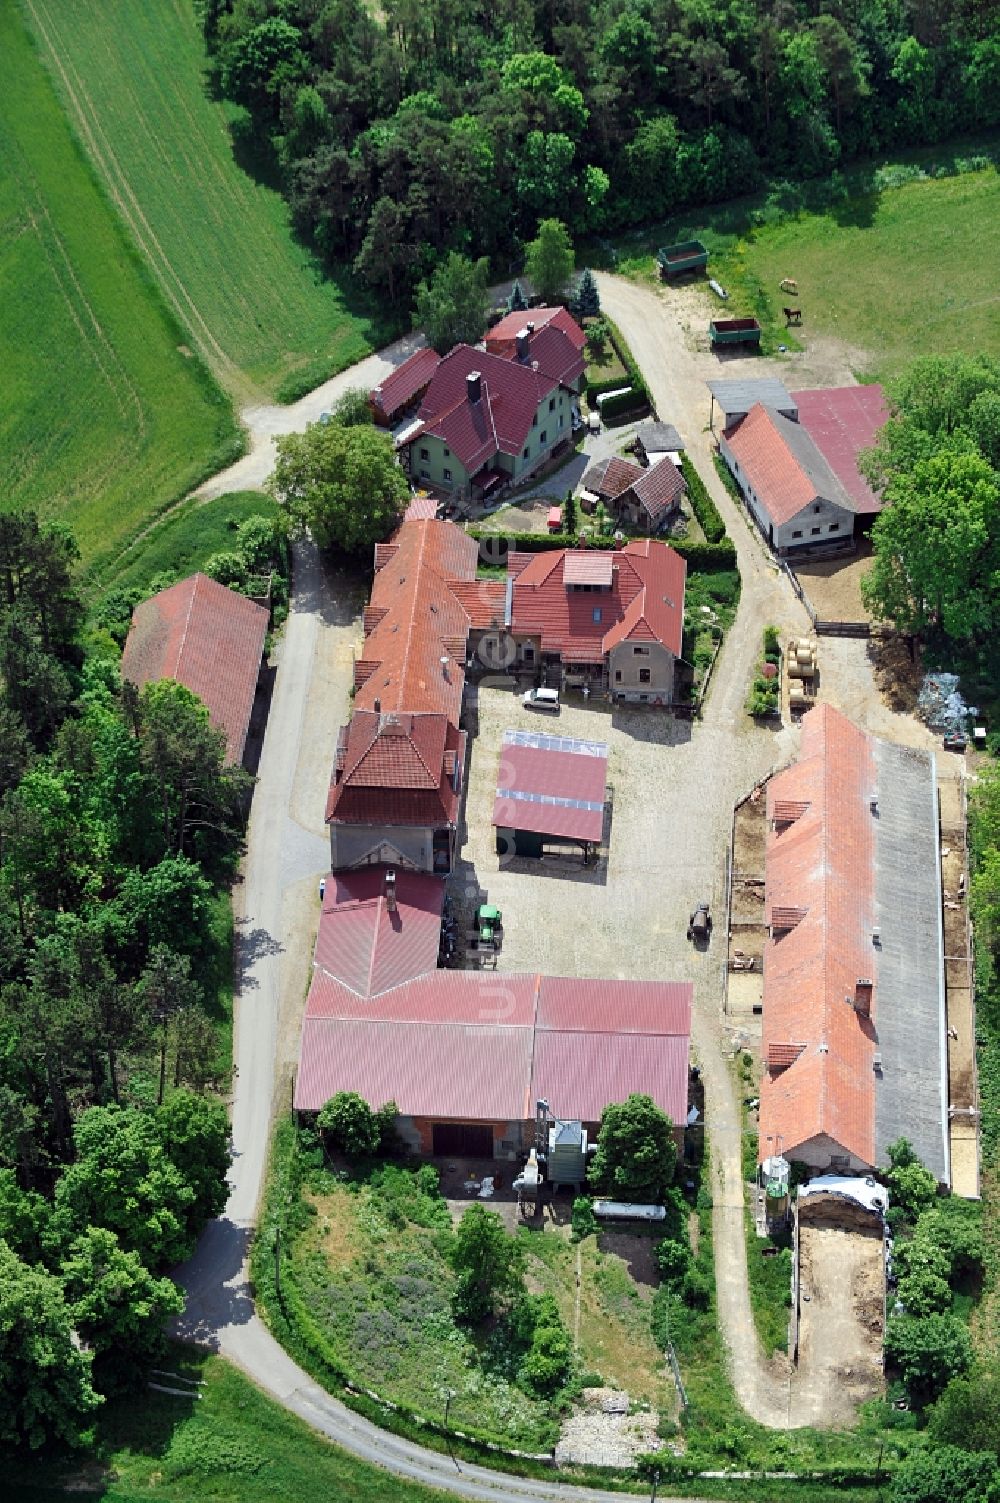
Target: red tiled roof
[822, 867]
[482, 600]
[555, 342]
[500, 421]
[403, 385]
[611, 478]
[645, 602]
[367, 947]
[208, 638]
[506, 331]
[588, 568]
[769, 465]
[841, 421]
[560, 776]
[420, 508]
[656, 613]
[659, 488]
[421, 621]
[482, 1046]
[391, 769]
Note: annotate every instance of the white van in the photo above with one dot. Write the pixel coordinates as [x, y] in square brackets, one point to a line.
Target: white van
[542, 699]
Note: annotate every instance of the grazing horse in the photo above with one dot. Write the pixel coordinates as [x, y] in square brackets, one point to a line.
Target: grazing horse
[792, 315]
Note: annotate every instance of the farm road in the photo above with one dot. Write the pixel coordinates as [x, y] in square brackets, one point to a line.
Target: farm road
[657, 325]
[265, 423]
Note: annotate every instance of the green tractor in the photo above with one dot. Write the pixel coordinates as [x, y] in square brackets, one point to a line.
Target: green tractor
[489, 926]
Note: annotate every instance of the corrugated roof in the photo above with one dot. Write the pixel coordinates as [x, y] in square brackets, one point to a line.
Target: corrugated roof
[465, 1044]
[466, 1070]
[843, 420]
[404, 385]
[208, 638]
[580, 1073]
[735, 397]
[420, 508]
[599, 1006]
[658, 438]
[551, 785]
[366, 945]
[782, 465]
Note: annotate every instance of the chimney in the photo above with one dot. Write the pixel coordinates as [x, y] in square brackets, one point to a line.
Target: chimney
[529, 328]
[521, 342]
[863, 997]
[378, 706]
[444, 666]
[390, 888]
[474, 386]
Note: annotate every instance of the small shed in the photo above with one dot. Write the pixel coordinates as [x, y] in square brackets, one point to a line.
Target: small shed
[654, 440]
[551, 794]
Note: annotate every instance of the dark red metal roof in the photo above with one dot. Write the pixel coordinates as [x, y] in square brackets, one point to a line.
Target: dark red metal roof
[405, 384]
[208, 638]
[482, 1046]
[368, 946]
[841, 421]
[500, 421]
[551, 785]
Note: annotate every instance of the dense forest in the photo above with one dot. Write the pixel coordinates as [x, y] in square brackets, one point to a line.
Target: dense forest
[120, 828]
[409, 129]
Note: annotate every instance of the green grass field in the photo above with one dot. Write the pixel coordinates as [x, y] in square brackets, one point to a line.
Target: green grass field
[184, 541]
[894, 273]
[231, 1443]
[255, 304]
[104, 420]
[897, 274]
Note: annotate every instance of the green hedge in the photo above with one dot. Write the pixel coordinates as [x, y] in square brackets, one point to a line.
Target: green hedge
[702, 504]
[702, 558]
[630, 404]
[706, 558]
[633, 375]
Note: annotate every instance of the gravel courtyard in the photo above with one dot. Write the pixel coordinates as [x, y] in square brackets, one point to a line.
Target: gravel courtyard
[627, 915]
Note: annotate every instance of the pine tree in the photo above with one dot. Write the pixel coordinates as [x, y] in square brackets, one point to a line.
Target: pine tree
[586, 299]
[517, 302]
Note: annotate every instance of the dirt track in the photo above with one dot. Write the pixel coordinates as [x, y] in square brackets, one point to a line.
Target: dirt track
[662, 327]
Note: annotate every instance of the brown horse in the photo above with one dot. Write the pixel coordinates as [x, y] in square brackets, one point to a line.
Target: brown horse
[792, 315]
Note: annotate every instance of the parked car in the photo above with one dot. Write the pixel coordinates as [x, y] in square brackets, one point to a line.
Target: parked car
[700, 924]
[542, 699]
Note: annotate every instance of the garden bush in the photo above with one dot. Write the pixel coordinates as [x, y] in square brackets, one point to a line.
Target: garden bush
[702, 505]
[584, 1222]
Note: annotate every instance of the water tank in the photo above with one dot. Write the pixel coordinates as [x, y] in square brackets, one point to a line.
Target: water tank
[567, 1162]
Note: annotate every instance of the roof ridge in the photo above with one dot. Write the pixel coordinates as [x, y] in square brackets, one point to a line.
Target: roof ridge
[196, 577]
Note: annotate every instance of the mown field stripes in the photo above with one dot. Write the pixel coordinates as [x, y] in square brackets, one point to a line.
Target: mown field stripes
[133, 81]
[105, 420]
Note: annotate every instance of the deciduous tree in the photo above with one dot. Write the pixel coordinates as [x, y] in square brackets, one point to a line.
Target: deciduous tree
[124, 1180]
[549, 260]
[452, 306]
[487, 1263]
[47, 1389]
[945, 1474]
[117, 1306]
[194, 1131]
[636, 1154]
[343, 484]
[928, 1352]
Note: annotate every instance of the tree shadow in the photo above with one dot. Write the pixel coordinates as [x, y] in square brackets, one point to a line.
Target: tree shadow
[250, 945]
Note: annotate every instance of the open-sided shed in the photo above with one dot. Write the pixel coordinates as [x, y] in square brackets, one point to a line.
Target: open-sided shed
[551, 791]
